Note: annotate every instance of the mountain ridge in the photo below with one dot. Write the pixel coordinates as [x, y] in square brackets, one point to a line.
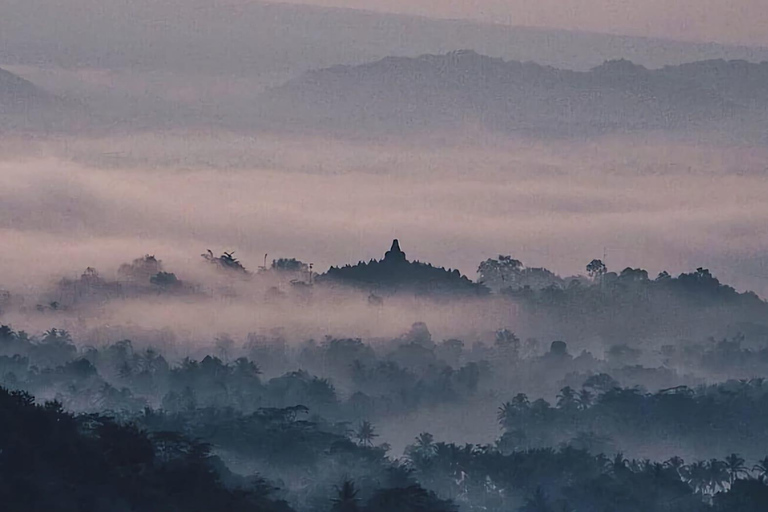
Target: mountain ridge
[118, 36]
[464, 86]
[26, 107]
[16, 92]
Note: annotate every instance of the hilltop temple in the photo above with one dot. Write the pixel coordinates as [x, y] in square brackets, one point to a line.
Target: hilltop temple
[394, 273]
[395, 254]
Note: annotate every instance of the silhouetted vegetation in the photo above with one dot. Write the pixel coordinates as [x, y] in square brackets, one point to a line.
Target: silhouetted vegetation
[650, 421]
[52, 460]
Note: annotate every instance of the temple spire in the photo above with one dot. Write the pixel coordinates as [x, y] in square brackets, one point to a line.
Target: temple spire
[395, 254]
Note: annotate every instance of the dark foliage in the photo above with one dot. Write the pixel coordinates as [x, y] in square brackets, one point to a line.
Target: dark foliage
[53, 461]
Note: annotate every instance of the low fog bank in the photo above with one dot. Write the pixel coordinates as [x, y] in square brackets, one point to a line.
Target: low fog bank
[646, 202]
[67, 204]
[75, 211]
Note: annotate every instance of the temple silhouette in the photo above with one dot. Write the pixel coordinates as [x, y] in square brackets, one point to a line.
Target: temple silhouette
[395, 273]
[395, 254]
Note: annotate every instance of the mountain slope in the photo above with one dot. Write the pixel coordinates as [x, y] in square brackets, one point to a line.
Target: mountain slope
[465, 88]
[149, 64]
[25, 107]
[17, 94]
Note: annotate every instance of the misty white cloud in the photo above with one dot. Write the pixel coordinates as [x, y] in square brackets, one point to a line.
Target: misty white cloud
[656, 204]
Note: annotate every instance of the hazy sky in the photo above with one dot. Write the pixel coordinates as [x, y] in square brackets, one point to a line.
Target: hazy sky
[727, 21]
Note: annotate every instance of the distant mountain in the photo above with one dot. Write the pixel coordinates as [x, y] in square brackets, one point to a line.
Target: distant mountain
[464, 88]
[24, 106]
[149, 64]
[18, 95]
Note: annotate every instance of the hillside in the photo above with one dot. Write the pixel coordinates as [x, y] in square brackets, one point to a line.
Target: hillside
[149, 64]
[465, 88]
[24, 106]
[19, 95]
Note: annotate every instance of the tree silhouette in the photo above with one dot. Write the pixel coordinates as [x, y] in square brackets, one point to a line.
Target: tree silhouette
[677, 464]
[422, 451]
[346, 498]
[289, 265]
[596, 269]
[717, 473]
[585, 398]
[365, 433]
[165, 280]
[735, 467]
[761, 468]
[567, 399]
[226, 261]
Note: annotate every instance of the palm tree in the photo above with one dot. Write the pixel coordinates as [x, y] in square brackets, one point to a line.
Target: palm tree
[697, 477]
[585, 398]
[718, 475]
[761, 468]
[603, 461]
[365, 434]
[619, 463]
[346, 498]
[421, 453]
[56, 336]
[735, 467]
[505, 414]
[509, 410]
[677, 464]
[425, 444]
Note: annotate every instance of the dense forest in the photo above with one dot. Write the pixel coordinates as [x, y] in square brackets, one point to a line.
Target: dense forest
[651, 397]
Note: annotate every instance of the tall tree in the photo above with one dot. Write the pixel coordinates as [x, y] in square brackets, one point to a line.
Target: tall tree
[596, 269]
[346, 498]
[735, 467]
[365, 434]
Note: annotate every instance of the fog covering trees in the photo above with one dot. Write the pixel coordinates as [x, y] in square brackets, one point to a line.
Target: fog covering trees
[166, 379]
[270, 422]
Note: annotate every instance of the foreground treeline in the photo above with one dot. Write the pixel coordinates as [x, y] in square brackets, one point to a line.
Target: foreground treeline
[52, 460]
[547, 399]
[649, 414]
[197, 434]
